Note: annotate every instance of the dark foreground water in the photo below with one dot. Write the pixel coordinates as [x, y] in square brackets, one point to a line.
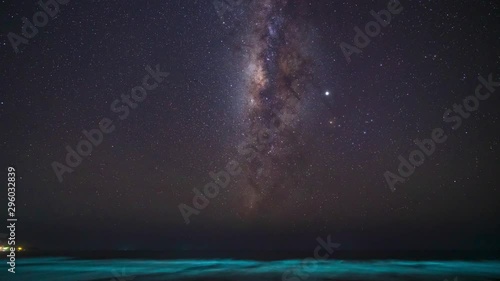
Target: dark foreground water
[67, 269]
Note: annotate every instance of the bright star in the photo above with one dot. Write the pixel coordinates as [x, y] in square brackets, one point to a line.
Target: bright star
[327, 93]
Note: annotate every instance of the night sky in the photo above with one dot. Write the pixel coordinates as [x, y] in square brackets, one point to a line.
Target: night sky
[234, 72]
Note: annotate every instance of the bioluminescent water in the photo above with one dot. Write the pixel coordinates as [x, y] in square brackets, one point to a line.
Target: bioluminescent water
[68, 269]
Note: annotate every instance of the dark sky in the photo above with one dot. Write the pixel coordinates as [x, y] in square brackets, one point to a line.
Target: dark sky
[322, 173]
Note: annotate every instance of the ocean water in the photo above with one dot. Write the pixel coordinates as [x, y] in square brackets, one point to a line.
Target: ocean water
[69, 269]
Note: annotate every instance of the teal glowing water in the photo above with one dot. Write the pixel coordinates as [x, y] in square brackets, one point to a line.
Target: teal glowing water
[65, 269]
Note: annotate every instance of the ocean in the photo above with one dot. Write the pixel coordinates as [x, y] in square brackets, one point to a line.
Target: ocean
[78, 269]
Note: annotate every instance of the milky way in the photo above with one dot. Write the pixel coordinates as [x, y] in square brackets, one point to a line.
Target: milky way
[278, 71]
[234, 66]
